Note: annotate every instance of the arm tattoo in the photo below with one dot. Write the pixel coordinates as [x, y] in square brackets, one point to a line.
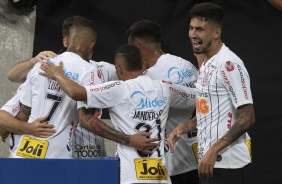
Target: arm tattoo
[97, 126]
[24, 113]
[245, 120]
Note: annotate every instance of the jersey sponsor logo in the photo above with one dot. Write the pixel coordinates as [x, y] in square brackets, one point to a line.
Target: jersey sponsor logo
[145, 102]
[195, 151]
[71, 75]
[202, 106]
[200, 153]
[180, 74]
[87, 151]
[54, 86]
[190, 84]
[229, 66]
[32, 148]
[100, 74]
[230, 88]
[244, 87]
[203, 95]
[92, 79]
[182, 93]
[150, 169]
[212, 66]
[147, 115]
[229, 120]
[106, 87]
[248, 143]
[16, 109]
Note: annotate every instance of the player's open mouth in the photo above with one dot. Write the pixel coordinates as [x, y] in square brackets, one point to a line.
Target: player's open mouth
[196, 43]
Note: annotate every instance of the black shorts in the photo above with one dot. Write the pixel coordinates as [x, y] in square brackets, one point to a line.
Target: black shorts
[190, 177]
[226, 176]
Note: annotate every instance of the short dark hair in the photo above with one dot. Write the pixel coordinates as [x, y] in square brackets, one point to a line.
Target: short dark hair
[146, 30]
[208, 11]
[132, 56]
[77, 21]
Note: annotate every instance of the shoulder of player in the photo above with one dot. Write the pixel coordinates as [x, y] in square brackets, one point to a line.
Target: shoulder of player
[175, 60]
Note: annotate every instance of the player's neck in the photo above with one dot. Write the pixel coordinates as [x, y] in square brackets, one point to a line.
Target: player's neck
[213, 51]
[152, 57]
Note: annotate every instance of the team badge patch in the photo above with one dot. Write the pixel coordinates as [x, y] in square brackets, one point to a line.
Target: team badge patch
[229, 66]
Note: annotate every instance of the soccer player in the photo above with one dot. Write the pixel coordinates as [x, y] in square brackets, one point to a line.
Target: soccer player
[139, 140]
[83, 143]
[9, 124]
[146, 35]
[44, 97]
[224, 102]
[137, 103]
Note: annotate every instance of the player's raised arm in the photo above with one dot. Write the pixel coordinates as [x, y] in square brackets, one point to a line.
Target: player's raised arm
[20, 70]
[72, 89]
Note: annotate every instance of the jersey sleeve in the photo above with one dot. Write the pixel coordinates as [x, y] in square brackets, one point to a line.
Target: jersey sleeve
[105, 95]
[13, 105]
[90, 79]
[236, 80]
[186, 75]
[182, 97]
[109, 70]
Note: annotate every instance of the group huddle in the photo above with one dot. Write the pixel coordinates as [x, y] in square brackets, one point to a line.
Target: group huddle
[172, 123]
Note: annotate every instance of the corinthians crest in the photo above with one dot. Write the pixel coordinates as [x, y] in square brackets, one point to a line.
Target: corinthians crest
[206, 78]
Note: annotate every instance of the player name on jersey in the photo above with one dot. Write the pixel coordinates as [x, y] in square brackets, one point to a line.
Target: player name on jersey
[147, 115]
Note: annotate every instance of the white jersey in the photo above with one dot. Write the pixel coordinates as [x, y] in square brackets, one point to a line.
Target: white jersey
[107, 71]
[140, 104]
[179, 71]
[13, 107]
[222, 87]
[46, 98]
[85, 144]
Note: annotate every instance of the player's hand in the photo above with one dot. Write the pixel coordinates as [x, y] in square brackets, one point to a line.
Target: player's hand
[175, 135]
[4, 134]
[40, 129]
[141, 142]
[52, 71]
[44, 55]
[206, 164]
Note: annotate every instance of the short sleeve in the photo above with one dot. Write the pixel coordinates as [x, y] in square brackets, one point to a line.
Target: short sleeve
[105, 95]
[13, 105]
[182, 97]
[236, 80]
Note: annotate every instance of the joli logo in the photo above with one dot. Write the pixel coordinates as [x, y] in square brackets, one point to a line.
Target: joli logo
[32, 148]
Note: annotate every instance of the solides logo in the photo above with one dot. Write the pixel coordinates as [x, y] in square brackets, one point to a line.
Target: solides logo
[229, 66]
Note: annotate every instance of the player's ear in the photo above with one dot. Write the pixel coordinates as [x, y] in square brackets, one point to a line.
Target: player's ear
[143, 65]
[217, 33]
[92, 44]
[119, 71]
[65, 41]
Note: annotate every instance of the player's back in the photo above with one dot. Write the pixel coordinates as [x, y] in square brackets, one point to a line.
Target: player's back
[46, 98]
[178, 71]
[144, 107]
